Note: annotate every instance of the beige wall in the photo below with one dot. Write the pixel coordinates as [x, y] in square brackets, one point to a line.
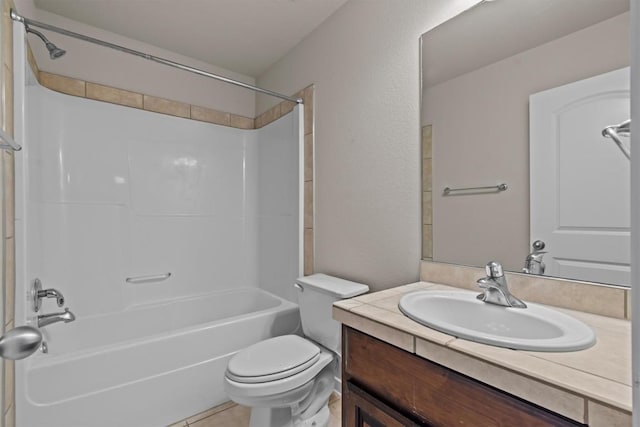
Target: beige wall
[97, 64]
[364, 63]
[480, 137]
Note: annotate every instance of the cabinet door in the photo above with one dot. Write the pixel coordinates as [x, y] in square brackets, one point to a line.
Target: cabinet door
[360, 409]
[430, 393]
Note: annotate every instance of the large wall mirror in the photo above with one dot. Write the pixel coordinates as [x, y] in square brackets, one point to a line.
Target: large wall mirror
[519, 92]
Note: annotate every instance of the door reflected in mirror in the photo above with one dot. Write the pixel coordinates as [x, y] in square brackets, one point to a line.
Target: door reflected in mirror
[518, 92]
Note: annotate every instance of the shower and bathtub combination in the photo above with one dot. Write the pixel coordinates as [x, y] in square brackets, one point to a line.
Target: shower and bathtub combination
[175, 242]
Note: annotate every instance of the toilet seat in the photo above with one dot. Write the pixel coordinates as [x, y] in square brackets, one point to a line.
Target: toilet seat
[248, 393]
[273, 359]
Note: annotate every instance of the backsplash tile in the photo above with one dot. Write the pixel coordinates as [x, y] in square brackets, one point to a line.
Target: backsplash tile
[605, 300]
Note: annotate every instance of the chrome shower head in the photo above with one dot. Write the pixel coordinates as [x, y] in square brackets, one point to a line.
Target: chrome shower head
[54, 51]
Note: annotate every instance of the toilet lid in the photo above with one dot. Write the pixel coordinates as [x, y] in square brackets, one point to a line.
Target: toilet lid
[273, 359]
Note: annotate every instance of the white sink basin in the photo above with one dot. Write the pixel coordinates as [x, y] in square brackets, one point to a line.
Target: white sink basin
[461, 314]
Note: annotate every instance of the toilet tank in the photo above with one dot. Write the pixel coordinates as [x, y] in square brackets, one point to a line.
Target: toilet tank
[316, 295]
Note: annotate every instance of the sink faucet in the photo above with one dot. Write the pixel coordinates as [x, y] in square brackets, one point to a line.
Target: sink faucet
[533, 264]
[46, 319]
[495, 288]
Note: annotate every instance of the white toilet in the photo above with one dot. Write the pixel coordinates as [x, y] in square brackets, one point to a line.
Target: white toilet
[287, 380]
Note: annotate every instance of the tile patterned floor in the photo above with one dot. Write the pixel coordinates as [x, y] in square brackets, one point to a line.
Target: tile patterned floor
[232, 415]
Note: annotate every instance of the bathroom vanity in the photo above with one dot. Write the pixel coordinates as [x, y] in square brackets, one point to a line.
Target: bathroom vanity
[397, 372]
[384, 385]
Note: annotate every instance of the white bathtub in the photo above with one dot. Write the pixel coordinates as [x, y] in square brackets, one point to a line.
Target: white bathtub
[148, 366]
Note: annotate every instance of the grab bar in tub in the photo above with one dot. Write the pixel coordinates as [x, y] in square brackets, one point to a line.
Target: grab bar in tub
[148, 279]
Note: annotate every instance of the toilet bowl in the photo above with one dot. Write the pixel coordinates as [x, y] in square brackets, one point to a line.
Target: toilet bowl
[287, 372]
[287, 380]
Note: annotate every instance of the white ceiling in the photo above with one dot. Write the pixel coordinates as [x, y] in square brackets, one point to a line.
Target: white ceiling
[495, 30]
[245, 36]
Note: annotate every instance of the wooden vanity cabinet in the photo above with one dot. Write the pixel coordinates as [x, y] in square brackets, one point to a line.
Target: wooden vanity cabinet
[384, 386]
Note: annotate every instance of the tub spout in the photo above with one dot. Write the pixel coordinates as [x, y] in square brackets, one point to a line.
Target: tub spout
[47, 319]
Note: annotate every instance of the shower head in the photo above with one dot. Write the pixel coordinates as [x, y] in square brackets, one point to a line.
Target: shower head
[54, 51]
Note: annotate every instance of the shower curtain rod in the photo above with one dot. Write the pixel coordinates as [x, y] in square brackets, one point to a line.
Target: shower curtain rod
[28, 22]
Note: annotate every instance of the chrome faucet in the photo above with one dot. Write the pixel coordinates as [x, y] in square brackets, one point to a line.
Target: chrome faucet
[38, 293]
[47, 319]
[533, 264]
[495, 288]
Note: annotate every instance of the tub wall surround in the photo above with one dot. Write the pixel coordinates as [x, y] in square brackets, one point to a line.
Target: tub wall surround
[219, 209]
[127, 98]
[170, 107]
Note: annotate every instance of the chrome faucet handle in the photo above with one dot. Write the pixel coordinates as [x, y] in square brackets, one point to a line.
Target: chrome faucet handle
[484, 283]
[38, 293]
[52, 293]
[495, 290]
[533, 264]
[538, 245]
[494, 270]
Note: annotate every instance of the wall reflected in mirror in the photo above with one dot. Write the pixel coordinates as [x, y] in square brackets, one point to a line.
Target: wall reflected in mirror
[518, 92]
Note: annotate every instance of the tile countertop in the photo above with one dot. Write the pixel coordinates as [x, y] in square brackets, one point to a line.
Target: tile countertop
[591, 386]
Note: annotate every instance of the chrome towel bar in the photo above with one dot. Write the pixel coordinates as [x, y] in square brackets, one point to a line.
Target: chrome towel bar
[497, 188]
[615, 132]
[148, 279]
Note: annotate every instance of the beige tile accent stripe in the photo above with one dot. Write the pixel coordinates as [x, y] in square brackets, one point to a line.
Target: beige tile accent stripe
[427, 217]
[211, 116]
[115, 96]
[126, 98]
[63, 84]
[165, 106]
